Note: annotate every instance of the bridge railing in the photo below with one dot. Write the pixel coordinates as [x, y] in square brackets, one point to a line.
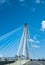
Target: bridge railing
[7, 59]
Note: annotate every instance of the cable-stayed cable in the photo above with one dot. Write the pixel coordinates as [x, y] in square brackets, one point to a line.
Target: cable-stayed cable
[9, 48]
[6, 35]
[10, 42]
[4, 42]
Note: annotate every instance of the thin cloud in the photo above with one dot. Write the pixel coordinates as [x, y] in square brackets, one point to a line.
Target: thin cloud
[35, 46]
[2, 1]
[35, 37]
[34, 41]
[38, 1]
[31, 40]
[21, 0]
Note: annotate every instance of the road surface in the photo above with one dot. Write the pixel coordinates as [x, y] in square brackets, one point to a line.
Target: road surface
[26, 62]
[35, 63]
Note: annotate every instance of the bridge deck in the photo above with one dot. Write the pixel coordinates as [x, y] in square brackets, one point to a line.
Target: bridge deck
[20, 62]
[25, 62]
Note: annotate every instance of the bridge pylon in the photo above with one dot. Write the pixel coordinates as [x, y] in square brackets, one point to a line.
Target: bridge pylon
[24, 42]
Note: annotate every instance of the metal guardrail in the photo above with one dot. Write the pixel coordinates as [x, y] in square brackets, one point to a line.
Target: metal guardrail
[7, 59]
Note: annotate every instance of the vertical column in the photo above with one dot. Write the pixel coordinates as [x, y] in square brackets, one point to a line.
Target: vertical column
[25, 47]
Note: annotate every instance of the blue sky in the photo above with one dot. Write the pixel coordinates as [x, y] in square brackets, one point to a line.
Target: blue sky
[13, 14]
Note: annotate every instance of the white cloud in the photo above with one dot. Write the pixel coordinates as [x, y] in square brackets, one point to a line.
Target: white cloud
[34, 41]
[35, 46]
[38, 1]
[35, 38]
[38, 41]
[31, 40]
[43, 26]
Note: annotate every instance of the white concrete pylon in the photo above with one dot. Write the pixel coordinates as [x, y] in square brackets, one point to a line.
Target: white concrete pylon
[20, 45]
[24, 43]
[25, 47]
